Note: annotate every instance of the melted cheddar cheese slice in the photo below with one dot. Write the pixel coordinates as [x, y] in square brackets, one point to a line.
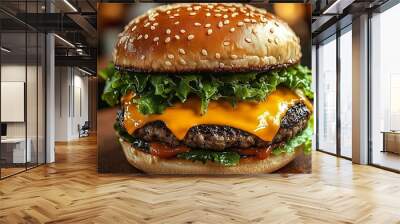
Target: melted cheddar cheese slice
[261, 119]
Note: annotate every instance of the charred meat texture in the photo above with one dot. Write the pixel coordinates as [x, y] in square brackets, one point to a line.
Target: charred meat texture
[157, 131]
[294, 121]
[217, 137]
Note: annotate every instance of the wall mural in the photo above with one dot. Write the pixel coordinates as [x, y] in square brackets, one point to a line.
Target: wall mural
[212, 88]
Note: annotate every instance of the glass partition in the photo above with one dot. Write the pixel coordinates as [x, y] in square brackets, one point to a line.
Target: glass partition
[13, 98]
[22, 78]
[326, 101]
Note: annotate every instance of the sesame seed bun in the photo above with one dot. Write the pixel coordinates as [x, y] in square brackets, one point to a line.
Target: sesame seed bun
[155, 165]
[194, 37]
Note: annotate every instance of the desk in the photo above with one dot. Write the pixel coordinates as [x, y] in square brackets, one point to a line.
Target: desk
[13, 150]
[391, 141]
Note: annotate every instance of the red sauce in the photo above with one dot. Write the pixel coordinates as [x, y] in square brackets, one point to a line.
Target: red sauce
[259, 153]
[165, 151]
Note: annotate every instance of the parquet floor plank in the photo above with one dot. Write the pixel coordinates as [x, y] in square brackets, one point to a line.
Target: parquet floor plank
[71, 191]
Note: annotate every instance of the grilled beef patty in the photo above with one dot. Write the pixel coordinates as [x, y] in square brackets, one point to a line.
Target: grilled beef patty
[218, 137]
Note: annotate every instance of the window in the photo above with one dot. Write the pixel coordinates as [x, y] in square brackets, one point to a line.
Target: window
[346, 92]
[385, 89]
[326, 101]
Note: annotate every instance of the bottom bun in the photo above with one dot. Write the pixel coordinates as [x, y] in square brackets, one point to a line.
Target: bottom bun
[155, 165]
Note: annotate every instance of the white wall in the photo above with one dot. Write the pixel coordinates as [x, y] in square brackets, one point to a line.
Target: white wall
[71, 94]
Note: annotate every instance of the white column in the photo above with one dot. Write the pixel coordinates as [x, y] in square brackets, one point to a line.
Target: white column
[360, 90]
[50, 98]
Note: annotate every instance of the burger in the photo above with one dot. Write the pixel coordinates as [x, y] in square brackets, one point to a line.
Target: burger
[209, 89]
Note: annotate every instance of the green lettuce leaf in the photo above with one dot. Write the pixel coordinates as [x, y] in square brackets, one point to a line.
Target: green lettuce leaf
[160, 91]
[223, 158]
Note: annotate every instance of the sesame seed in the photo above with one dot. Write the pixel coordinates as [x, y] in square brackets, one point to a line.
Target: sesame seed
[197, 24]
[183, 31]
[168, 31]
[192, 13]
[232, 29]
[176, 14]
[176, 23]
[189, 8]
[248, 40]
[226, 22]
[253, 21]
[246, 20]
[167, 40]
[207, 25]
[220, 24]
[183, 62]
[155, 24]
[234, 14]
[170, 56]
[168, 63]
[197, 7]
[147, 24]
[134, 28]
[171, 17]
[146, 36]
[272, 30]
[190, 37]
[180, 50]
[177, 37]
[204, 52]
[209, 31]
[152, 27]
[234, 56]
[151, 19]
[218, 15]
[226, 43]
[225, 16]
[142, 57]
[217, 56]
[168, 12]
[217, 10]
[208, 14]
[140, 37]
[240, 23]
[221, 65]
[156, 39]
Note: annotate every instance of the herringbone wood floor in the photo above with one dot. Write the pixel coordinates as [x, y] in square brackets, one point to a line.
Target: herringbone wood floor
[71, 191]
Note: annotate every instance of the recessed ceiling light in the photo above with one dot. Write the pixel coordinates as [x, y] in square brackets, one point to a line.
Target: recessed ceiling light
[70, 5]
[84, 71]
[64, 40]
[5, 50]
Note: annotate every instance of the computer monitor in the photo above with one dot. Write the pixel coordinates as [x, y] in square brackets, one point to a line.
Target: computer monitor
[3, 129]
